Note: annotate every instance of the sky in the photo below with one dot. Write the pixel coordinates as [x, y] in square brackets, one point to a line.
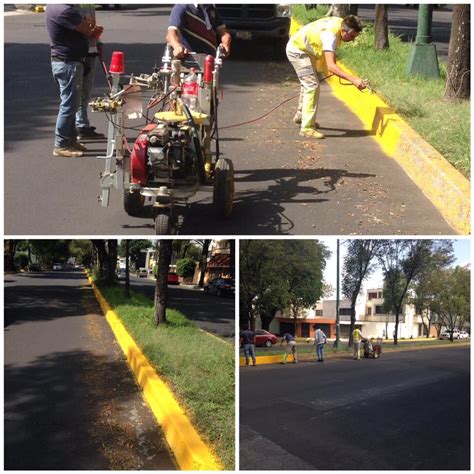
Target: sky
[461, 252]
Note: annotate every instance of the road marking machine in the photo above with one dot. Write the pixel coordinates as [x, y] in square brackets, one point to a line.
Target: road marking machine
[176, 153]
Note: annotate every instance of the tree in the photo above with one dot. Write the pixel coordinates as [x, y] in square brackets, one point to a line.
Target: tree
[185, 267]
[402, 262]
[452, 303]
[306, 260]
[82, 251]
[340, 9]
[381, 27]
[458, 78]
[107, 259]
[9, 250]
[278, 274]
[164, 252]
[203, 261]
[359, 262]
[127, 268]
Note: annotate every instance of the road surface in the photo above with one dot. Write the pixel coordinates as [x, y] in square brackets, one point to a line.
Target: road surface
[404, 411]
[211, 313]
[71, 402]
[284, 184]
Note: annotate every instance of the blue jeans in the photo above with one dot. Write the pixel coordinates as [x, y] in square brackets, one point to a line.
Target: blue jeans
[68, 76]
[249, 350]
[82, 120]
[320, 351]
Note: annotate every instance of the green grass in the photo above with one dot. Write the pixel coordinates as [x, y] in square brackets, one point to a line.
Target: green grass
[198, 367]
[387, 346]
[444, 124]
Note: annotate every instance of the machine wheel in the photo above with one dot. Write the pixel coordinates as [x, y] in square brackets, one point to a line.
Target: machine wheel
[163, 223]
[224, 187]
[133, 203]
[268, 343]
[376, 356]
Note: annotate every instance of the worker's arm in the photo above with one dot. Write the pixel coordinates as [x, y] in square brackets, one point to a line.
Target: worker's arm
[226, 39]
[336, 70]
[89, 30]
[173, 38]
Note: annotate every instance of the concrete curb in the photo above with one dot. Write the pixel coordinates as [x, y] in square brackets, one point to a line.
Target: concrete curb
[447, 189]
[277, 359]
[189, 449]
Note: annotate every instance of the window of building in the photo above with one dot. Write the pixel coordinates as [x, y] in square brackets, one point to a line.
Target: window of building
[380, 294]
[369, 311]
[319, 312]
[378, 309]
[345, 311]
[372, 296]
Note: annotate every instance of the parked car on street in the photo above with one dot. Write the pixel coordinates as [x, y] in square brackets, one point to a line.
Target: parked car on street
[142, 272]
[265, 338]
[173, 278]
[220, 287]
[121, 273]
[447, 335]
[463, 335]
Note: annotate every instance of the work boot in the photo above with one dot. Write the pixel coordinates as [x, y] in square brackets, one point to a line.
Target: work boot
[298, 119]
[85, 133]
[78, 146]
[67, 152]
[311, 133]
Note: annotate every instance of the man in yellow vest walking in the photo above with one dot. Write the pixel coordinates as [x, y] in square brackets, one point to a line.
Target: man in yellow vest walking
[356, 340]
[312, 50]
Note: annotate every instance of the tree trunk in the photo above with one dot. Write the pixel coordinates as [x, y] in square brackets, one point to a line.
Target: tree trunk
[353, 318]
[203, 263]
[9, 248]
[127, 269]
[381, 27]
[112, 247]
[395, 335]
[101, 257]
[161, 288]
[459, 56]
[339, 9]
[232, 258]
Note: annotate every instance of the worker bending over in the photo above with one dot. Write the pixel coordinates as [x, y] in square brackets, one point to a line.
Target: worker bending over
[312, 51]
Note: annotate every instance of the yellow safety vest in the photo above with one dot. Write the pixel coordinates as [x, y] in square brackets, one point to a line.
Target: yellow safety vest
[308, 39]
[356, 335]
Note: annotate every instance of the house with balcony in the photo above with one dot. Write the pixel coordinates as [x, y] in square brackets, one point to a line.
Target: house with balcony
[378, 323]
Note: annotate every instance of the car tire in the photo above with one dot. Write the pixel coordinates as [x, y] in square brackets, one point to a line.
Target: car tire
[268, 343]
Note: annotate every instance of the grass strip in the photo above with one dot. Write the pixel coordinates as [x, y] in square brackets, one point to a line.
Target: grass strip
[444, 124]
[198, 368]
[308, 348]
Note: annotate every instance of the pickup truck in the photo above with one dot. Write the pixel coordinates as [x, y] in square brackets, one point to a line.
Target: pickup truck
[259, 22]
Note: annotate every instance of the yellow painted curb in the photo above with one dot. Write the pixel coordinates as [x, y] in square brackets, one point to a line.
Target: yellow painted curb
[440, 182]
[277, 359]
[189, 449]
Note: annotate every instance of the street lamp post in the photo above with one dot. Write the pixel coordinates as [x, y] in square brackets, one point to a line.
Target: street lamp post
[336, 342]
[423, 60]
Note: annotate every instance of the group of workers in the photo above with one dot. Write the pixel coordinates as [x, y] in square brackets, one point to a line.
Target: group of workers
[247, 339]
[75, 45]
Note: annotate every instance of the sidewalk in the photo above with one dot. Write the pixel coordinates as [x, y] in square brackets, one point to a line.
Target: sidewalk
[71, 402]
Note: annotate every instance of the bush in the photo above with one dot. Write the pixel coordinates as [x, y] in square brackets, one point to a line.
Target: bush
[185, 267]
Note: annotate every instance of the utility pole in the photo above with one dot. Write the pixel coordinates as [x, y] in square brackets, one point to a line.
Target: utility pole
[423, 60]
[336, 342]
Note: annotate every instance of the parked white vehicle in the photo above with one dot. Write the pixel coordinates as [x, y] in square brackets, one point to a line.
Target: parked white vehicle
[447, 335]
[463, 335]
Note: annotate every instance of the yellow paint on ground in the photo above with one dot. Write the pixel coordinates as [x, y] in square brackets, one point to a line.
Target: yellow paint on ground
[188, 448]
[439, 181]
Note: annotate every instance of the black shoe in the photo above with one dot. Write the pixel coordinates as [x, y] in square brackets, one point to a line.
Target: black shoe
[88, 133]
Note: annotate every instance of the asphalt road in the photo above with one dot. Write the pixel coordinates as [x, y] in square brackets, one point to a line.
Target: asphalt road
[71, 402]
[404, 411]
[211, 313]
[284, 184]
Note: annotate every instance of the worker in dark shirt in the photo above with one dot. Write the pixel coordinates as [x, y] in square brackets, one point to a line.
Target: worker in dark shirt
[247, 337]
[198, 29]
[290, 347]
[68, 32]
